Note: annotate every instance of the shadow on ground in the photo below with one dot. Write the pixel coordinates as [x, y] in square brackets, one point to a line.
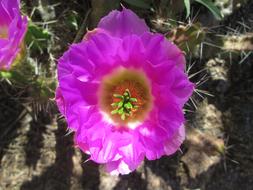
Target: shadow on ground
[58, 175]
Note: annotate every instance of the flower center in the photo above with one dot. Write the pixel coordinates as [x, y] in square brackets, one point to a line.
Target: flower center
[125, 96]
[125, 106]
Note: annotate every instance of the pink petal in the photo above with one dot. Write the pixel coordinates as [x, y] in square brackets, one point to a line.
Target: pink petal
[118, 167]
[155, 132]
[182, 88]
[172, 145]
[159, 49]
[16, 26]
[123, 23]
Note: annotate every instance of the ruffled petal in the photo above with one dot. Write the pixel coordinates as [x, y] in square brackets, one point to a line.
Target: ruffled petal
[11, 6]
[118, 167]
[7, 8]
[84, 94]
[131, 52]
[123, 23]
[103, 140]
[16, 27]
[90, 59]
[155, 132]
[60, 101]
[159, 49]
[173, 144]
[182, 88]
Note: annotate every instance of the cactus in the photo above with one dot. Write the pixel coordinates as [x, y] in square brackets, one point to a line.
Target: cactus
[227, 45]
[188, 37]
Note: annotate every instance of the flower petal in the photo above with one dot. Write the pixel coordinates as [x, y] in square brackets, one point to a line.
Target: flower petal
[182, 88]
[159, 49]
[118, 167]
[123, 23]
[131, 52]
[16, 26]
[155, 132]
[173, 144]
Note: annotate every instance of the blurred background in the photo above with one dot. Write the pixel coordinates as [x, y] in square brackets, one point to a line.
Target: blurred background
[36, 150]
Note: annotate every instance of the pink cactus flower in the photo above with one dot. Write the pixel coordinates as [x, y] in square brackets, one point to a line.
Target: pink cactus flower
[122, 91]
[12, 31]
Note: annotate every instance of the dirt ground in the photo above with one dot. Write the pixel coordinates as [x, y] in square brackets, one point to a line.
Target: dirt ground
[38, 153]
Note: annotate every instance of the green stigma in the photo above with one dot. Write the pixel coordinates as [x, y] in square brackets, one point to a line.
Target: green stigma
[125, 106]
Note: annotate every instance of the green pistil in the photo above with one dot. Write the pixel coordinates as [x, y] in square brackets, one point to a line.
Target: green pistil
[125, 106]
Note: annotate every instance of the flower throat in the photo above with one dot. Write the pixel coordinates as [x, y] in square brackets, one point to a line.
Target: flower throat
[125, 96]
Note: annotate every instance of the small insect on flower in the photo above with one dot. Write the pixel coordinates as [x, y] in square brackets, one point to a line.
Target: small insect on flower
[122, 91]
[12, 31]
